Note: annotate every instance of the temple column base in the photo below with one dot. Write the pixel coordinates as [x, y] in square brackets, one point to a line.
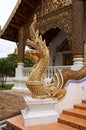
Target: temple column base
[20, 85]
[39, 111]
[77, 64]
[78, 61]
[19, 80]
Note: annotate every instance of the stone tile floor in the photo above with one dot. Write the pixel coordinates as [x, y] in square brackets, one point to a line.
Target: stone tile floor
[11, 103]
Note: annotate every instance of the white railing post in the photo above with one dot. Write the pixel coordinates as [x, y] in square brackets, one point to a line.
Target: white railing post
[49, 73]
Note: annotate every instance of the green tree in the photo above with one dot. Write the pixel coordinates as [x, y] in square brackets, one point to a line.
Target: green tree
[4, 70]
[12, 60]
[28, 62]
[8, 65]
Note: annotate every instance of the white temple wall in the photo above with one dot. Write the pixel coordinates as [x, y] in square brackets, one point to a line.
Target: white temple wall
[56, 42]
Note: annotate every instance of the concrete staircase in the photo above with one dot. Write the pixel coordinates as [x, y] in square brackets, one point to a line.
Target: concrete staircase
[75, 117]
[71, 119]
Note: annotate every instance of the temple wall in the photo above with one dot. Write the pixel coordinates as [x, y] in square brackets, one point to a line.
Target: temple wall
[54, 55]
[76, 92]
[54, 15]
[53, 19]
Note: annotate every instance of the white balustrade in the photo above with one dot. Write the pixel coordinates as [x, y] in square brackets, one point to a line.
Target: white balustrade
[49, 73]
[26, 71]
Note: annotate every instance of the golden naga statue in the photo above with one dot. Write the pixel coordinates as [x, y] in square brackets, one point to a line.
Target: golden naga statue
[36, 80]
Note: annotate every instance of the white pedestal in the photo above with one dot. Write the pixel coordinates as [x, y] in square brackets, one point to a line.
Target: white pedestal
[39, 111]
[19, 80]
[78, 61]
[76, 92]
[20, 84]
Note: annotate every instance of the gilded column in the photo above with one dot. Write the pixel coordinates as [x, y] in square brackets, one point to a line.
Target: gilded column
[77, 41]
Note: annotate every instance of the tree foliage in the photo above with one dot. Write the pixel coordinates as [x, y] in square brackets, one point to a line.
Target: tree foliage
[28, 62]
[8, 65]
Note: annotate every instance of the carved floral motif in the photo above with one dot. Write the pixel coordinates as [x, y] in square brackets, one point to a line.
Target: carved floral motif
[54, 15]
[35, 81]
[61, 20]
[52, 5]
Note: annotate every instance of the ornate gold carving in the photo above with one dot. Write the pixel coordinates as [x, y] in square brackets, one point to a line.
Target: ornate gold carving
[60, 2]
[35, 81]
[50, 6]
[61, 20]
[77, 40]
[78, 55]
[53, 18]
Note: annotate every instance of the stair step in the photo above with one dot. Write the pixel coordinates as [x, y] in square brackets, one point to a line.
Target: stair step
[80, 106]
[17, 123]
[58, 126]
[73, 121]
[83, 101]
[76, 112]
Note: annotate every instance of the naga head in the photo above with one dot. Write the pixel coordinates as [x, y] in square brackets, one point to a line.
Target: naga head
[36, 40]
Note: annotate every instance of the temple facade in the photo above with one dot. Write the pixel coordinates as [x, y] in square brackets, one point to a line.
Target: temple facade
[62, 25]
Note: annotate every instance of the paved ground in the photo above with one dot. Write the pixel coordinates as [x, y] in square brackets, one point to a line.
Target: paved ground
[11, 104]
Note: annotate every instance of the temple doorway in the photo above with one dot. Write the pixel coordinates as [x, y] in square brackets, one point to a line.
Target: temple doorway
[67, 59]
[60, 52]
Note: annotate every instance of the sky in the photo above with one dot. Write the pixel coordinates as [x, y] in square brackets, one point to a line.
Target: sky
[6, 7]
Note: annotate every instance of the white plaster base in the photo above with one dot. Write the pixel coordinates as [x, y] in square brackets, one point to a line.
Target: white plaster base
[76, 92]
[20, 84]
[19, 80]
[39, 111]
[77, 64]
[78, 61]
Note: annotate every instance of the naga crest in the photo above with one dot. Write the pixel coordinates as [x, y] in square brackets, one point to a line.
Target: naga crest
[35, 40]
[35, 82]
[36, 79]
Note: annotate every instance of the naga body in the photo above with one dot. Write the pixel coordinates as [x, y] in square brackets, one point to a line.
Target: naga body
[36, 80]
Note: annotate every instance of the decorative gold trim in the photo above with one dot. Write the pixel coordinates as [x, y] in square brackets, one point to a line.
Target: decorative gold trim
[20, 61]
[78, 55]
[35, 83]
[84, 63]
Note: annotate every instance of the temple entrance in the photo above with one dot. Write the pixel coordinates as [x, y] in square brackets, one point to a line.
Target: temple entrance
[60, 52]
[67, 59]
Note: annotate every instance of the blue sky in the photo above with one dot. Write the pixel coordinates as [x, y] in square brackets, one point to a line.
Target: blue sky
[6, 7]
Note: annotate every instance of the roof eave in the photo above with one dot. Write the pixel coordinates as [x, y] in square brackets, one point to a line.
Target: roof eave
[10, 17]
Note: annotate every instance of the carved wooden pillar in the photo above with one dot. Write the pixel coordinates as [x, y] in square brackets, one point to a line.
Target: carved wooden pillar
[77, 42]
[18, 80]
[21, 45]
[42, 4]
[20, 53]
